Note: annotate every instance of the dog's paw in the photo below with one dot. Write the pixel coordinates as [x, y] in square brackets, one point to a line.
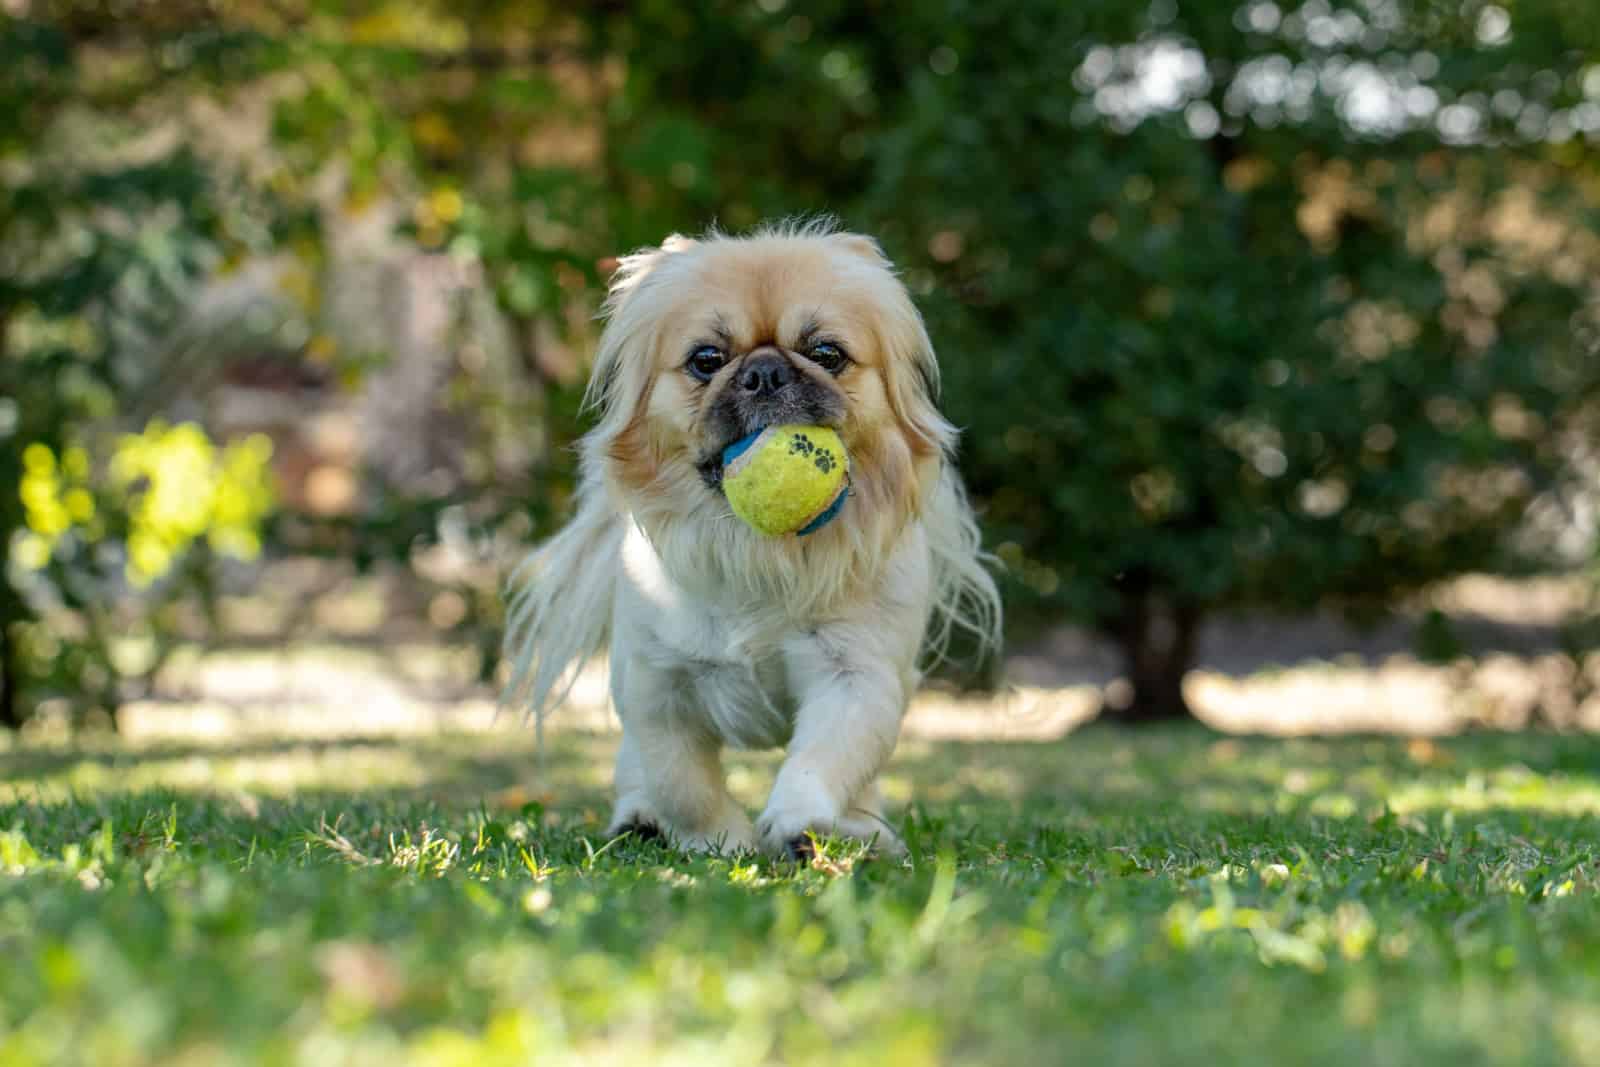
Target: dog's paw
[791, 836]
[632, 815]
[786, 831]
[730, 833]
[801, 849]
[800, 806]
[640, 828]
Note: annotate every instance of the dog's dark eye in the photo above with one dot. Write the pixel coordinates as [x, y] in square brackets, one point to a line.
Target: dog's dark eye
[705, 361]
[829, 356]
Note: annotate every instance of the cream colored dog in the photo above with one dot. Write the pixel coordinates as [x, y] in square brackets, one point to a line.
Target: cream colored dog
[721, 636]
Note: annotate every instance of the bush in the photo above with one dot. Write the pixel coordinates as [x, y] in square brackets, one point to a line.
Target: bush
[104, 230]
[1240, 304]
[1245, 306]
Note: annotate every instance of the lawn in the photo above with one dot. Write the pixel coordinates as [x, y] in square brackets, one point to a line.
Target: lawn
[1166, 897]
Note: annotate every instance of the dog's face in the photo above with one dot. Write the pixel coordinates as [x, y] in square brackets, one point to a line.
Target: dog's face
[709, 341]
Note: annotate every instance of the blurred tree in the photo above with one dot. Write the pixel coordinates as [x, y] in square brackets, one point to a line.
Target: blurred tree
[1241, 303]
[1249, 305]
[138, 145]
[107, 216]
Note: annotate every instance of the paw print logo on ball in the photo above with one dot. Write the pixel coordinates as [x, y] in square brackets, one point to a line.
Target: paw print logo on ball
[786, 479]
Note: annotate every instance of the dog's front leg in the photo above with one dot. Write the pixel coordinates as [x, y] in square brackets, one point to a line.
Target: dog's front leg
[846, 726]
[669, 777]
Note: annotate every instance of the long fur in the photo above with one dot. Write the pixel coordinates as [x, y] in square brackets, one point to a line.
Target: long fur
[560, 607]
[562, 595]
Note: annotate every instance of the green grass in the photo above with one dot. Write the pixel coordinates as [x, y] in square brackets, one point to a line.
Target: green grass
[1171, 897]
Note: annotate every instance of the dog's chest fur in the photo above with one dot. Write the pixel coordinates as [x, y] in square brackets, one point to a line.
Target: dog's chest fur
[730, 669]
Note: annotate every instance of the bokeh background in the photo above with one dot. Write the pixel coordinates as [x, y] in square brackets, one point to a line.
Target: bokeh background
[1273, 328]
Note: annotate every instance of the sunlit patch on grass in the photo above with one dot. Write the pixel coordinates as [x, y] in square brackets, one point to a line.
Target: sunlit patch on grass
[454, 899]
[1513, 787]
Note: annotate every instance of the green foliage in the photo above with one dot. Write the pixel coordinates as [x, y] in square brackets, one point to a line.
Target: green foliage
[1174, 900]
[1250, 305]
[1241, 304]
[106, 555]
[1232, 340]
[1301, 317]
[109, 553]
[106, 223]
[171, 487]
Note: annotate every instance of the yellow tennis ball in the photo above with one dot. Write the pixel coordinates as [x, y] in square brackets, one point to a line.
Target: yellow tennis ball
[787, 479]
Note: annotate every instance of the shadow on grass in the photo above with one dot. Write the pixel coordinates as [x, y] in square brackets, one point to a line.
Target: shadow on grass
[1096, 772]
[1103, 770]
[35, 761]
[1243, 646]
[456, 770]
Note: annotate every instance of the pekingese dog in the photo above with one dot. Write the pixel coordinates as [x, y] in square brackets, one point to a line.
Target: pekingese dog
[718, 635]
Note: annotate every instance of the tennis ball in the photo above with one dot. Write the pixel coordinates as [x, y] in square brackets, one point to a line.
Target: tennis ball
[786, 479]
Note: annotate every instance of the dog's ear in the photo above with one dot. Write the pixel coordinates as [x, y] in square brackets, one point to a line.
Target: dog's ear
[912, 372]
[630, 269]
[622, 330]
[863, 246]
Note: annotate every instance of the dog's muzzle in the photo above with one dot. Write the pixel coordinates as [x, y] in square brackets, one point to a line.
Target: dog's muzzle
[767, 390]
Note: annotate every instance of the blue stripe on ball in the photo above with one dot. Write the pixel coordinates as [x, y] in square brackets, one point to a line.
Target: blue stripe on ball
[732, 453]
[828, 513]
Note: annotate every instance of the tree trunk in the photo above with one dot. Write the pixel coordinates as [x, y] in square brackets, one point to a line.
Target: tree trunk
[1157, 635]
[10, 685]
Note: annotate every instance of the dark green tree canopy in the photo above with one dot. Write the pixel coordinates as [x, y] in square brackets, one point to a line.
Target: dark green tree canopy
[1240, 303]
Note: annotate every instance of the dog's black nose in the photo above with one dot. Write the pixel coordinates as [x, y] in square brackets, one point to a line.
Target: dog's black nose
[765, 374]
